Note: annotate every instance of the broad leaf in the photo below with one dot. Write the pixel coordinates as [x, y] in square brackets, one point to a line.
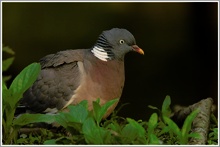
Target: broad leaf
[88, 126]
[75, 117]
[25, 119]
[129, 133]
[141, 130]
[93, 133]
[61, 118]
[23, 81]
[79, 112]
[100, 111]
[133, 131]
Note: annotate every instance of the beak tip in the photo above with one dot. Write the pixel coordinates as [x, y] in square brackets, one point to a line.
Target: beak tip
[138, 49]
[141, 52]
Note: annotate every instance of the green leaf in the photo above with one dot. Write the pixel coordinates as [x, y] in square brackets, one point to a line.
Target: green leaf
[25, 119]
[79, 112]
[132, 131]
[154, 140]
[129, 133]
[24, 80]
[88, 126]
[8, 50]
[213, 119]
[188, 121]
[152, 123]
[61, 140]
[97, 111]
[153, 107]
[74, 118]
[115, 127]
[172, 126]
[7, 63]
[93, 133]
[141, 130]
[98, 100]
[165, 129]
[166, 111]
[4, 87]
[62, 119]
[194, 135]
[6, 96]
[50, 142]
[100, 111]
[214, 134]
[6, 78]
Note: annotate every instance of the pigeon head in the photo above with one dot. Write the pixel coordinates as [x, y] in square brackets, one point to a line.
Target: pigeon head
[114, 44]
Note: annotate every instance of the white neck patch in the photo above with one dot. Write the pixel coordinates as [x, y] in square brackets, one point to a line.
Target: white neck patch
[100, 53]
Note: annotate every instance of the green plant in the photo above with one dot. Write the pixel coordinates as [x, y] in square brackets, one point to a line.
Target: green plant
[85, 124]
[152, 124]
[6, 63]
[169, 126]
[182, 134]
[213, 133]
[165, 110]
[213, 136]
[11, 99]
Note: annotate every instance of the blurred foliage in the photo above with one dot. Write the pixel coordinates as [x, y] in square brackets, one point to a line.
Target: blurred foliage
[6, 63]
[11, 97]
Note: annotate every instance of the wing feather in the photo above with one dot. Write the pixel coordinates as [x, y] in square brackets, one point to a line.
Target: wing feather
[58, 79]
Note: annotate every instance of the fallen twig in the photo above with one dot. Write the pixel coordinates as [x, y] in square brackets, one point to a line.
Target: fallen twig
[202, 121]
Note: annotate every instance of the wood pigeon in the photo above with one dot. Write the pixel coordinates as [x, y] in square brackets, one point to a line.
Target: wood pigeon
[70, 76]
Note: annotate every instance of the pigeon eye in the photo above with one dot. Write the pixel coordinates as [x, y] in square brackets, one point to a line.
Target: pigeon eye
[121, 41]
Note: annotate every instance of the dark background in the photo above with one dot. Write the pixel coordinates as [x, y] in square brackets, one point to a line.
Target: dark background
[180, 41]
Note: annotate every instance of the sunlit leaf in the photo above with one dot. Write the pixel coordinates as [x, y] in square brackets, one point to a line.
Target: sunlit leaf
[188, 122]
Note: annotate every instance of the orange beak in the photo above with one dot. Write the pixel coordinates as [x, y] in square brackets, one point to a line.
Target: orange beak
[137, 49]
